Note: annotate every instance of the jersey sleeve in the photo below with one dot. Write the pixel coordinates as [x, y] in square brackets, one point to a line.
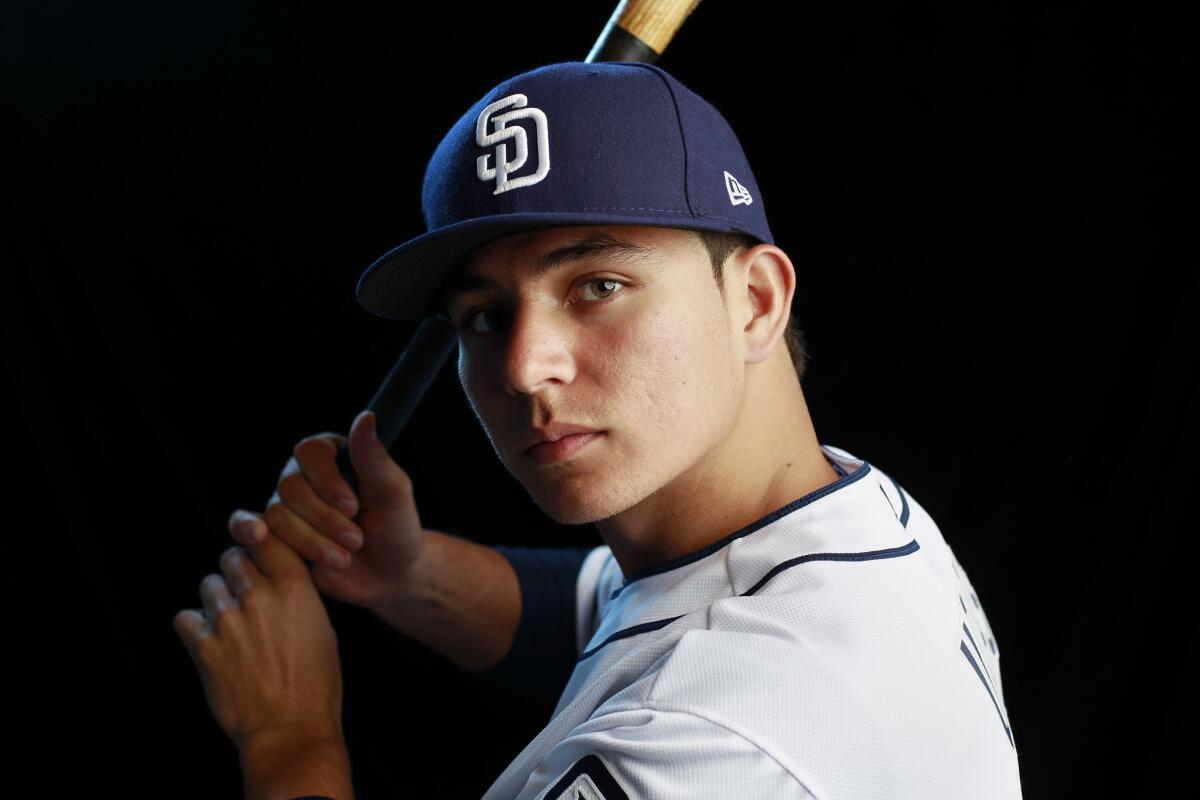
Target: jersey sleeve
[553, 603]
[655, 752]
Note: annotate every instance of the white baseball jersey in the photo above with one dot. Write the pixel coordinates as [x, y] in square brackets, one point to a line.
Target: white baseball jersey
[833, 649]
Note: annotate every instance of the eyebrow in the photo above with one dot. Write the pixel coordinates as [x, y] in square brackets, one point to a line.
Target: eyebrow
[595, 245]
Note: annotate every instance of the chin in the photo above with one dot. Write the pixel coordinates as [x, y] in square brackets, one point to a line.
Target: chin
[569, 503]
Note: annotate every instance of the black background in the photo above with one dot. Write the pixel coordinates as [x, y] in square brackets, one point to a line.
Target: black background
[982, 201]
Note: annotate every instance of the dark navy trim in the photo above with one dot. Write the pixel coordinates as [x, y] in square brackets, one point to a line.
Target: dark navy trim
[971, 659]
[978, 655]
[762, 522]
[597, 771]
[883, 492]
[869, 555]
[632, 630]
[903, 502]
[544, 648]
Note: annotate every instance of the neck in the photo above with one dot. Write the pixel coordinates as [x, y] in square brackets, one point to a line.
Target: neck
[770, 458]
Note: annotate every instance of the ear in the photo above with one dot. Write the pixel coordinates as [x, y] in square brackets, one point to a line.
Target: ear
[764, 282]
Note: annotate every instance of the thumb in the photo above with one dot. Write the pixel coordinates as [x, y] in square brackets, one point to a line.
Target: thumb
[381, 481]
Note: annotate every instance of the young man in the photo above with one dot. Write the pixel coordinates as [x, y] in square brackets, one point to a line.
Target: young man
[767, 617]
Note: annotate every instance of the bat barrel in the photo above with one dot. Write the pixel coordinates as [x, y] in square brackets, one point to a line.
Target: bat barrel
[639, 30]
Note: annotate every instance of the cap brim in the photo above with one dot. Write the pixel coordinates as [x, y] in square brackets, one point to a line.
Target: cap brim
[403, 283]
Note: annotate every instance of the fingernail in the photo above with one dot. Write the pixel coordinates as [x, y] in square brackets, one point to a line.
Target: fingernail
[346, 506]
[350, 539]
[337, 559]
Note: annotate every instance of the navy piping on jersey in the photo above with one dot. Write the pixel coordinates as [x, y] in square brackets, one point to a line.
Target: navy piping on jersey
[903, 502]
[978, 655]
[971, 659]
[869, 555]
[762, 522]
[632, 630]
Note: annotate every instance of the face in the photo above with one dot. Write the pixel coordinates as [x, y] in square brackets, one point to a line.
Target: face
[617, 328]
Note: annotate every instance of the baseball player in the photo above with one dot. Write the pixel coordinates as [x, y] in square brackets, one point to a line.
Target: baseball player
[768, 616]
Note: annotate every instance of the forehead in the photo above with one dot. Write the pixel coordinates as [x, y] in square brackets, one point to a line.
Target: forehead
[535, 253]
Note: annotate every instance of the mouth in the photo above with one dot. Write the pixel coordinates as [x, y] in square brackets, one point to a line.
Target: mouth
[563, 448]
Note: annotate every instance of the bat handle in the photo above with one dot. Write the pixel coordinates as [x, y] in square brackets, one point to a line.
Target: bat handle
[405, 385]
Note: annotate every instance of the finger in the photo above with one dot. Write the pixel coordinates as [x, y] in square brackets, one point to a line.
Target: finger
[246, 527]
[277, 561]
[240, 571]
[191, 627]
[217, 598]
[293, 530]
[316, 456]
[381, 481]
[298, 493]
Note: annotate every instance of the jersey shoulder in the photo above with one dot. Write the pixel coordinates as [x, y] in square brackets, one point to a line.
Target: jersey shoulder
[648, 751]
[874, 662]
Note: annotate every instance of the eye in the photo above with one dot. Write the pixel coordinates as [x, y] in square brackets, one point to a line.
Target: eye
[597, 281]
[468, 322]
[607, 293]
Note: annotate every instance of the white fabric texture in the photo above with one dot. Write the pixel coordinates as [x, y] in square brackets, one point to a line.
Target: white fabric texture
[832, 649]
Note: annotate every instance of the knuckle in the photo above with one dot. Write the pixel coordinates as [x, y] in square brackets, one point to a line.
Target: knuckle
[309, 445]
[232, 557]
[180, 621]
[252, 599]
[211, 583]
[403, 481]
[206, 652]
[240, 522]
[275, 514]
[291, 486]
[225, 621]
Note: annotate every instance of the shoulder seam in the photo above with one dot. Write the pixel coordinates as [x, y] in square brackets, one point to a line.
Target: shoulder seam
[658, 706]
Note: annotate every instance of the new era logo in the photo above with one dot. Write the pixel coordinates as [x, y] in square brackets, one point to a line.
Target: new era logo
[738, 194]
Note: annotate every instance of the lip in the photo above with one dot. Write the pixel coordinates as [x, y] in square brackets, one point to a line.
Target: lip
[562, 448]
[553, 431]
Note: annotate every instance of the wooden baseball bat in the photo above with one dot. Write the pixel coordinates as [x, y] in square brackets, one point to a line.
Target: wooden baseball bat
[638, 30]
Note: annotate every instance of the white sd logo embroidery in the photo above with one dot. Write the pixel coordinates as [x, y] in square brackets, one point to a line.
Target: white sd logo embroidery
[500, 138]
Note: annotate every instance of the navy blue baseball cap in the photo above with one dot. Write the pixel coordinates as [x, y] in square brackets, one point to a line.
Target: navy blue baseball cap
[570, 143]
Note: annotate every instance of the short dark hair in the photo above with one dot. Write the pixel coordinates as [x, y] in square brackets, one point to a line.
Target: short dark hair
[722, 245]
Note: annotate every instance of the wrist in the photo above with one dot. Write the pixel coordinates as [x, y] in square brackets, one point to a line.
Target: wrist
[296, 762]
[408, 589]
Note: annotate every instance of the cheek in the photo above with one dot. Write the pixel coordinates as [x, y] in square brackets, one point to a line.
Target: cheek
[663, 373]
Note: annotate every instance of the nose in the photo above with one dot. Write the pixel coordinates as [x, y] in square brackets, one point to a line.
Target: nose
[539, 352]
